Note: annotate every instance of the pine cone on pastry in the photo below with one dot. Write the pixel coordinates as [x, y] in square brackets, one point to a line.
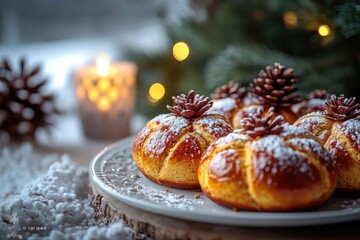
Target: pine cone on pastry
[267, 165]
[228, 100]
[168, 149]
[338, 130]
[314, 102]
[274, 87]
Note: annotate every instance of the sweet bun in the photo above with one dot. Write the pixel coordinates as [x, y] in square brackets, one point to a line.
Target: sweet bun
[228, 100]
[338, 130]
[286, 113]
[168, 149]
[274, 87]
[314, 102]
[267, 165]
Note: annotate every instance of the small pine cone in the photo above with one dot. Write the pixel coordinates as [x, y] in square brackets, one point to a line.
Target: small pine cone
[190, 106]
[231, 90]
[319, 94]
[342, 108]
[260, 123]
[274, 86]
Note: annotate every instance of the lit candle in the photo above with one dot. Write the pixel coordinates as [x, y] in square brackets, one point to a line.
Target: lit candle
[106, 94]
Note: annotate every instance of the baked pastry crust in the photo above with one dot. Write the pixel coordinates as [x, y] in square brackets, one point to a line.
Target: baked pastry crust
[342, 140]
[168, 149]
[274, 87]
[275, 172]
[286, 113]
[314, 102]
[228, 100]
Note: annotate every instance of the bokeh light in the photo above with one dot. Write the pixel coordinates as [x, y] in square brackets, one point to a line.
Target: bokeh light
[93, 94]
[181, 51]
[113, 94]
[156, 92]
[324, 30]
[290, 19]
[104, 84]
[103, 104]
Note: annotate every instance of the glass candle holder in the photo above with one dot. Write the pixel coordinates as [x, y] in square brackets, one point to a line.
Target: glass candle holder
[106, 96]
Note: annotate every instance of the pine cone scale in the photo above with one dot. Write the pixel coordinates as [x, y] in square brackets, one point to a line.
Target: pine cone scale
[262, 123]
[274, 86]
[25, 108]
[232, 90]
[342, 108]
[190, 105]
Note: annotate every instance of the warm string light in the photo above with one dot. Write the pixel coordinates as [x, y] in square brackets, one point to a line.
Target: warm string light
[156, 92]
[290, 19]
[181, 51]
[324, 30]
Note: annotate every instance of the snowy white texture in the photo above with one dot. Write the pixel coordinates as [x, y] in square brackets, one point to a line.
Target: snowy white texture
[21, 161]
[56, 202]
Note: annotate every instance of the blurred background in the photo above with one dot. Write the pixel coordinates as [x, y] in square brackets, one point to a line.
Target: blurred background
[181, 45]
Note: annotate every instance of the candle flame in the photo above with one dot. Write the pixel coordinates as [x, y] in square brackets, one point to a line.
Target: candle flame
[103, 65]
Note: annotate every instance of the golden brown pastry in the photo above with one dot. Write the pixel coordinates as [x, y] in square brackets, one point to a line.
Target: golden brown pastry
[314, 102]
[228, 100]
[168, 149]
[338, 130]
[273, 88]
[267, 165]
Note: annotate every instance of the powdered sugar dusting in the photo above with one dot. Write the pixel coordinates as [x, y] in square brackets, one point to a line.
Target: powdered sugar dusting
[225, 166]
[311, 122]
[274, 145]
[174, 124]
[170, 128]
[214, 126]
[351, 128]
[232, 137]
[310, 145]
[292, 130]
[225, 104]
[284, 158]
[123, 178]
[119, 173]
[341, 204]
[335, 148]
[316, 104]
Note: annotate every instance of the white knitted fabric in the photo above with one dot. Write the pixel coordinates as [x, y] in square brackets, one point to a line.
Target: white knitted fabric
[45, 197]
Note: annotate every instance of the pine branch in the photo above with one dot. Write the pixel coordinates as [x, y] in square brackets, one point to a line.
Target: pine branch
[348, 18]
[242, 62]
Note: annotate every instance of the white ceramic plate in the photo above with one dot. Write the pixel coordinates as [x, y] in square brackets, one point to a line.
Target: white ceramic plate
[114, 172]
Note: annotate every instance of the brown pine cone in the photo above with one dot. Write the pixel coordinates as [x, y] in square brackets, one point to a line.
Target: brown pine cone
[24, 107]
[274, 86]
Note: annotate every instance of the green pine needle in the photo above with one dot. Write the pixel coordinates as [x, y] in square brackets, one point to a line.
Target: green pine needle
[348, 18]
[241, 63]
